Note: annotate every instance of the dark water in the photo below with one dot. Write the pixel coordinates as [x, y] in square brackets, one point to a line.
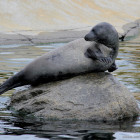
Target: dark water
[15, 57]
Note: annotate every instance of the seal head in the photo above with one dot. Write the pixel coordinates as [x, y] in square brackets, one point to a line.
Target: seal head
[104, 33]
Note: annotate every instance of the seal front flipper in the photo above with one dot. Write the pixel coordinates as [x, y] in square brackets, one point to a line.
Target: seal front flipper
[96, 54]
[105, 60]
[113, 67]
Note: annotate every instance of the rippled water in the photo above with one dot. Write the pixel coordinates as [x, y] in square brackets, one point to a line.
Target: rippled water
[15, 57]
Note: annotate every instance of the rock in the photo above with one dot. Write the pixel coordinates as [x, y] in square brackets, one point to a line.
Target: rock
[94, 96]
[41, 38]
[131, 31]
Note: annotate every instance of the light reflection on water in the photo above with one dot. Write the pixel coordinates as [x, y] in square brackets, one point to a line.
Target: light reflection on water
[14, 57]
[128, 62]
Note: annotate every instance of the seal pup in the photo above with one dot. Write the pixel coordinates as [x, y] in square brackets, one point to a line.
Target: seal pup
[96, 53]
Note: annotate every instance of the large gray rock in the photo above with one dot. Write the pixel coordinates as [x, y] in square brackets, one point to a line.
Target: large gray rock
[94, 96]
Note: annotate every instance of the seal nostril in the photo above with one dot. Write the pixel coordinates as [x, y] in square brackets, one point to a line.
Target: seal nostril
[86, 38]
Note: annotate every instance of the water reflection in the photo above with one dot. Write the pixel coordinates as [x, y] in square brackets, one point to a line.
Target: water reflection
[14, 57]
[128, 62]
[99, 136]
[82, 130]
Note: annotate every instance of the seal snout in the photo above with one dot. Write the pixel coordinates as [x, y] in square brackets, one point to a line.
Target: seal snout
[86, 38]
[90, 36]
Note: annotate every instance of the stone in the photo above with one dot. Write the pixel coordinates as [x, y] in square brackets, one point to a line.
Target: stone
[131, 31]
[93, 96]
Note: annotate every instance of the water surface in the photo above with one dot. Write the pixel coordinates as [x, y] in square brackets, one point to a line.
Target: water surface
[14, 57]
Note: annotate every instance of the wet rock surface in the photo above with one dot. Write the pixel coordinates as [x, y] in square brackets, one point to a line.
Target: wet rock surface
[94, 96]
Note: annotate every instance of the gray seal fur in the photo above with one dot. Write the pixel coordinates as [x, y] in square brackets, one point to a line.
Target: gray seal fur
[77, 57]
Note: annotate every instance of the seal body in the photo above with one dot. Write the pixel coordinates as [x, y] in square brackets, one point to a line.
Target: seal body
[96, 53]
[70, 59]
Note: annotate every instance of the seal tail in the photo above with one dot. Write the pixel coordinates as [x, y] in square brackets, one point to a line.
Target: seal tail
[14, 81]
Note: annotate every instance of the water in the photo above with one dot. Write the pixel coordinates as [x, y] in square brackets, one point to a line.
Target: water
[15, 57]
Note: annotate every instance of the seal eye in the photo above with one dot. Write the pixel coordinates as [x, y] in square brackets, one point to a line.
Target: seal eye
[93, 30]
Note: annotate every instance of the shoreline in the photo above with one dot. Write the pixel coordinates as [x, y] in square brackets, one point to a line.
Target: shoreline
[131, 32]
[41, 38]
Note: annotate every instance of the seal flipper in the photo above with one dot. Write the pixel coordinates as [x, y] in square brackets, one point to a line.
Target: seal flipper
[113, 67]
[96, 54]
[105, 60]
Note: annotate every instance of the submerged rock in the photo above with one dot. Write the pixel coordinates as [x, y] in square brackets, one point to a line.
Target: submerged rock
[94, 96]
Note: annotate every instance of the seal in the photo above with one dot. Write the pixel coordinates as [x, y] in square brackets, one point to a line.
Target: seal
[96, 53]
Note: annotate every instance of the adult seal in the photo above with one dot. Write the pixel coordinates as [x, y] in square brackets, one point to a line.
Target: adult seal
[96, 53]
